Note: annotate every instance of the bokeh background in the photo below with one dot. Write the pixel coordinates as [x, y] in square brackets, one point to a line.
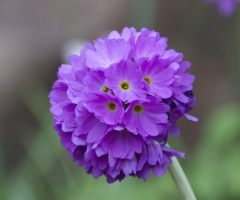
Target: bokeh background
[36, 36]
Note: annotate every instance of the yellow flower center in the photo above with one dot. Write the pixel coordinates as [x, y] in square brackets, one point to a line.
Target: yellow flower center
[124, 85]
[148, 80]
[138, 109]
[112, 106]
[105, 89]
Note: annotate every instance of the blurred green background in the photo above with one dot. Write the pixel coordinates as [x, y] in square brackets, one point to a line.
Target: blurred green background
[37, 36]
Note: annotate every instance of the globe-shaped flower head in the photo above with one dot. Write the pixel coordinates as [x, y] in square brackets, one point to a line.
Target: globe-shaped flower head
[116, 103]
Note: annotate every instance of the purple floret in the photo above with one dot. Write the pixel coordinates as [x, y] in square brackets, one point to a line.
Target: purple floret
[143, 116]
[124, 79]
[116, 103]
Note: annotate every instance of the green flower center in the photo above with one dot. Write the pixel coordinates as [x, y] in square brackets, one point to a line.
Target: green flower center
[138, 109]
[124, 85]
[112, 106]
[148, 80]
[105, 89]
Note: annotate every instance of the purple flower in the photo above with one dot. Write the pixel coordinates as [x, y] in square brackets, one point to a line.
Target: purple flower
[124, 79]
[155, 157]
[225, 7]
[106, 107]
[183, 81]
[107, 52]
[143, 116]
[122, 144]
[90, 129]
[95, 82]
[116, 103]
[158, 76]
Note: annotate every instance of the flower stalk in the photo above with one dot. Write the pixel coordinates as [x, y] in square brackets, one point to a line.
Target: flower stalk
[180, 180]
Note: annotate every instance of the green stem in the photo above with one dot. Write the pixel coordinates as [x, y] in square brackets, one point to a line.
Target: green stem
[180, 180]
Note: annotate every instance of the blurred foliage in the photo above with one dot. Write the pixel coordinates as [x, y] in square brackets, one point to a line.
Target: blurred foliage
[215, 169]
[47, 172]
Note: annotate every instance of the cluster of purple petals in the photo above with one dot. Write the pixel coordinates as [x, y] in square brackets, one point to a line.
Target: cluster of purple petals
[226, 7]
[116, 103]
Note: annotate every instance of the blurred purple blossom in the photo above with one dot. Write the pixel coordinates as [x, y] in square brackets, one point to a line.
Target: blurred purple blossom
[226, 7]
